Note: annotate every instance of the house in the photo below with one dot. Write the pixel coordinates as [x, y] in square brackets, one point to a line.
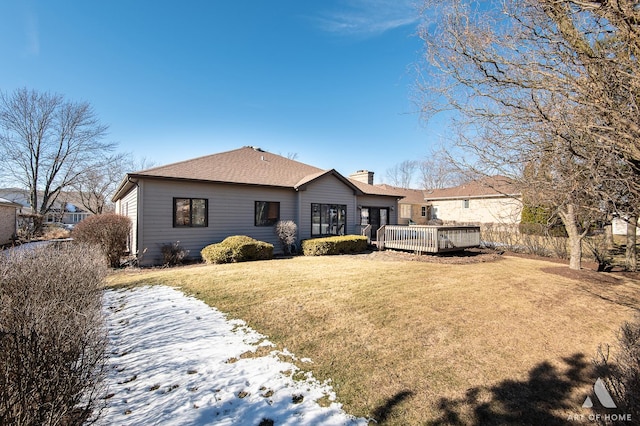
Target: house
[8, 220]
[492, 199]
[619, 226]
[413, 208]
[245, 192]
[65, 210]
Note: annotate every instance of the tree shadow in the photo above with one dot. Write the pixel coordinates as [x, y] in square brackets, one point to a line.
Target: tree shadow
[382, 412]
[534, 401]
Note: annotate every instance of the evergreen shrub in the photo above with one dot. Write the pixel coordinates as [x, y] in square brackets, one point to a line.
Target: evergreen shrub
[238, 248]
[347, 244]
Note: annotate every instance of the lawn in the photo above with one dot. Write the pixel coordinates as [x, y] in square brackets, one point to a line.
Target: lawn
[407, 342]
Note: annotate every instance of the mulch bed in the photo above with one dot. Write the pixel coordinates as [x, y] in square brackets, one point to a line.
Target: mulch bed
[453, 258]
[588, 273]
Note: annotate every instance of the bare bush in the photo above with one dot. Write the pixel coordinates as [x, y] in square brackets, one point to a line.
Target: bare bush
[108, 231]
[543, 242]
[622, 376]
[52, 335]
[598, 246]
[286, 231]
[53, 232]
[173, 253]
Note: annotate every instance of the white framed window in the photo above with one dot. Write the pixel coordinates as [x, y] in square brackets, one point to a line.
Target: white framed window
[405, 210]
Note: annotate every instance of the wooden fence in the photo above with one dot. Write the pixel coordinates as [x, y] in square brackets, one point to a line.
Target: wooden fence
[428, 239]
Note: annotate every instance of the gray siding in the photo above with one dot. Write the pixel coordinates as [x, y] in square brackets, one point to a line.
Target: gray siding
[128, 206]
[327, 190]
[380, 201]
[231, 212]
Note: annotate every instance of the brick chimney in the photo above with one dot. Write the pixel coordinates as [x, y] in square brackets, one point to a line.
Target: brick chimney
[364, 176]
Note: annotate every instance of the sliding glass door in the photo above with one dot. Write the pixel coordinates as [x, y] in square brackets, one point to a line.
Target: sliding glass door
[328, 219]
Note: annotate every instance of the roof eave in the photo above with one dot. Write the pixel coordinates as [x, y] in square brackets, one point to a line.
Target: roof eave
[464, 197]
[132, 179]
[305, 182]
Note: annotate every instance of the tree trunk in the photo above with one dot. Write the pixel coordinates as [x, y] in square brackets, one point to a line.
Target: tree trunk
[631, 256]
[568, 217]
[608, 234]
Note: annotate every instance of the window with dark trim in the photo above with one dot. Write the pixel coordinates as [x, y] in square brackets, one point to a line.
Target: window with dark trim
[190, 212]
[267, 213]
[423, 211]
[328, 219]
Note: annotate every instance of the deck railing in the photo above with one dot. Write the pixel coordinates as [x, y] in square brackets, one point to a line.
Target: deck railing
[366, 231]
[428, 239]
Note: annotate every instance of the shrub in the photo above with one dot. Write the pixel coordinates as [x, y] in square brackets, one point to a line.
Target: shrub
[286, 231]
[52, 335]
[622, 377]
[53, 232]
[334, 245]
[108, 231]
[173, 253]
[239, 248]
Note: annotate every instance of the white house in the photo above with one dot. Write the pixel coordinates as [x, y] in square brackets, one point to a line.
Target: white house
[619, 227]
[489, 200]
[66, 209]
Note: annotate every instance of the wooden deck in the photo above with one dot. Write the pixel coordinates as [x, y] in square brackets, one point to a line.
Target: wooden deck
[428, 239]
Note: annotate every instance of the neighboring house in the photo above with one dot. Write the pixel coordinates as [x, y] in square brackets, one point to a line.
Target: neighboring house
[8, 220]
[245, 192]
[489, 200]
[412, 207]
[619, 227]
[66, 210]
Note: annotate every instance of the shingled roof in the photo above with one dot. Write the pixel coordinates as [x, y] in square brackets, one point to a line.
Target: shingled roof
[247, 166]
[409, 196]
[490, 186]
[5, 202]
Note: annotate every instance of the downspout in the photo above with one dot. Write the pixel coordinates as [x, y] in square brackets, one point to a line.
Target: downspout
[298, 213]
[139, 223]
[138, 209]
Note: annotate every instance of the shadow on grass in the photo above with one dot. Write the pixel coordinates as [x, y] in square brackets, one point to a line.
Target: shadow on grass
[534, 401]
[382, 413]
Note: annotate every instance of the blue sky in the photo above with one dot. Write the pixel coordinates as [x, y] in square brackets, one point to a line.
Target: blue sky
[330, 81]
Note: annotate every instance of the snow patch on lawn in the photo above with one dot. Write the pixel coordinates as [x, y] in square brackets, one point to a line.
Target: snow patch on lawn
[173, 360]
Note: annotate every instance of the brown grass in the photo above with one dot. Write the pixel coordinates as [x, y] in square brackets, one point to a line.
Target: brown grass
[414, 343]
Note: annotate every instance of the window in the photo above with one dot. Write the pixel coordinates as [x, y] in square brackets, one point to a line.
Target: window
[364, 216]
[423, 211]
[190, 212]
[328, 219]
[405, 210]
[465, 204]
[267, 213]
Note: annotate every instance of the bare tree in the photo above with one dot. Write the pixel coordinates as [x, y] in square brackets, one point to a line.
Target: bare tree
[96, 186]
[437, 171]
[48, 143]
[401, 174]
[546, 87]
